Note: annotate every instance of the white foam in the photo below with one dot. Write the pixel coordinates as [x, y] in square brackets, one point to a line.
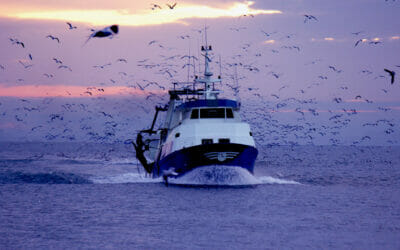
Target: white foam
[124, 178]
[202, 176]
[272, 180]
[217, 176]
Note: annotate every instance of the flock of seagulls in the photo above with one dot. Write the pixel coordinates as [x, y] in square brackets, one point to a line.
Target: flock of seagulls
[268, 129]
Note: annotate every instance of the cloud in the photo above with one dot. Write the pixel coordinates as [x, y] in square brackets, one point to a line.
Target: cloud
[145, 17]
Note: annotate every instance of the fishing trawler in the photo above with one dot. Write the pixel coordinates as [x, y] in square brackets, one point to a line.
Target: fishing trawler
[199, 130]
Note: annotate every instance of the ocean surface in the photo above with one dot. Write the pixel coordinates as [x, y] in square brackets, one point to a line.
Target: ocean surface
[94, 196]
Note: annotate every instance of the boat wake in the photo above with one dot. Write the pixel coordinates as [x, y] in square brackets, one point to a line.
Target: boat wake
[203, 176]
[125, 178]
[225, 176]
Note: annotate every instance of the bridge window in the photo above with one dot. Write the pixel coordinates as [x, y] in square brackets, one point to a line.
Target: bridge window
[195, 114]
[206, 113]
[229, 113]
[206, 141]
[224, 141]
[212, 113]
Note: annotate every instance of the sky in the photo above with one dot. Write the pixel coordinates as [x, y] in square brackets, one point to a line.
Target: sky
[302, 81]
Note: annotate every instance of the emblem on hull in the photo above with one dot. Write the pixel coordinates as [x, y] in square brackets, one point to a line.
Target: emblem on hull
[221, 156]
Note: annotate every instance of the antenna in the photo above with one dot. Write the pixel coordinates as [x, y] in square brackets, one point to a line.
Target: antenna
[209, 91]
[188, 73]
[198, 54]
[220, 68]
[237, 85]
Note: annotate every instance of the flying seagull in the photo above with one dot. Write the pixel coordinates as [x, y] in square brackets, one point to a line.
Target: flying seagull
[25, 65]
[70, 26]
[392, 74]
[57, 61]
[171, 6]
[109, 31]
[122, 60]
[309, 17]
[357, 33]
[358, 41]
[53, 38]
[154, 6]
[15, 41]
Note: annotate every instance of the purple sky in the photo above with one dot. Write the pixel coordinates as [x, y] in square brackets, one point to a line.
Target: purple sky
[298, 74]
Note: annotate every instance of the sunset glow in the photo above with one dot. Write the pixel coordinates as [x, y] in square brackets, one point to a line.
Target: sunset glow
[68, 91]
[143, 18]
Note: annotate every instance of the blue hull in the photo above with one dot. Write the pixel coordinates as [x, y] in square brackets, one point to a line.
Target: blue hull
[187, 159]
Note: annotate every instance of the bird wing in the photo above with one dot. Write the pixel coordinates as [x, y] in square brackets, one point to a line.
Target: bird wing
[21, 63]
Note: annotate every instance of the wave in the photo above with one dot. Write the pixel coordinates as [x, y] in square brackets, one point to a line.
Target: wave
[42, 178]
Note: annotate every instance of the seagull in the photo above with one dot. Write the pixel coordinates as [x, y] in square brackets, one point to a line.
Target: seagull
[15, 41]
[122, 60]
[171, 6]
[197, 30]
[373, 42]
[2, 67]
[268, 34]
[57, 61]
[155, 6]
[25, 65]
[309, 17]
[337, 99]
[334, 69]
[53, 38]
[64, 67]
[102, 66]
[392, 74]
[70, 26]
[109, 31]
[183, 37]
[151, 42]
[358, 41]
[357, 33]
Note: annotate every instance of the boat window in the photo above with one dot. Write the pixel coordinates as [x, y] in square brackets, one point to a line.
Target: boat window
[195, 114]
[229, 113]
[206, 141]
[224, 141]
[212, 113]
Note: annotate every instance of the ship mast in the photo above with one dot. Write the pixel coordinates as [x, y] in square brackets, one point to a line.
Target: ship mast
[210, 93]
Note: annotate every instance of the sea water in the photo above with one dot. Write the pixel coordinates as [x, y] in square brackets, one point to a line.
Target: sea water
[93, 196]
